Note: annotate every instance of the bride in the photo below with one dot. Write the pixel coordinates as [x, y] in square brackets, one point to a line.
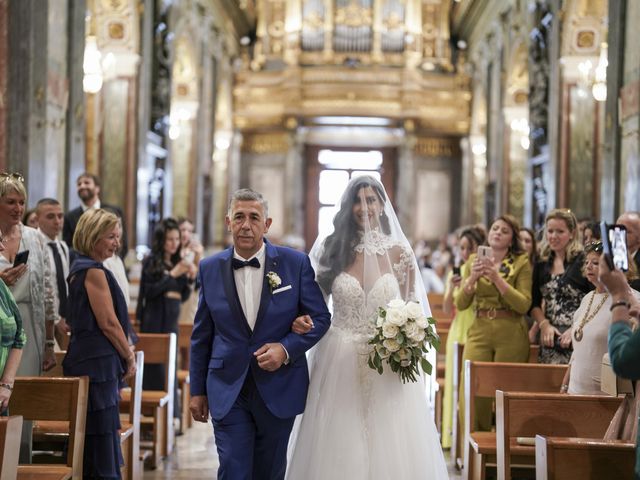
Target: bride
[358, 424]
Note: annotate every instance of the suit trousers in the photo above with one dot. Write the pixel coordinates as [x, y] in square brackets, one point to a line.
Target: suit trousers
[251, 441]
[492, 340]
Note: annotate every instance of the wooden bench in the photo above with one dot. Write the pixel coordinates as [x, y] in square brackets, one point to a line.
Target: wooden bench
[456, 433]
[440, 372]
[184, 381]
[10, 434]
[568, 458]
[525, 415]
[130, 424]
[54, 399]
[157, 405]
[482, 379]
[436, 304]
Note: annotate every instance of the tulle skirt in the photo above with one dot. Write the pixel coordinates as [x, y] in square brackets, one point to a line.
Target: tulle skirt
[359, 425]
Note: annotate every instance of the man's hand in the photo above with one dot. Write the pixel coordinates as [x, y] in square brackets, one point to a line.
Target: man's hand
[199, 408]
[301, 325]
[49, 359]
[270, 356]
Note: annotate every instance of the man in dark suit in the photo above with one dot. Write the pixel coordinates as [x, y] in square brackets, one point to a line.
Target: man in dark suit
[248, 369]
[88, 187]
[631, 220]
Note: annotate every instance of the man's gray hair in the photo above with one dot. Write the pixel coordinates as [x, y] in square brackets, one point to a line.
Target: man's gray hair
[248, 195]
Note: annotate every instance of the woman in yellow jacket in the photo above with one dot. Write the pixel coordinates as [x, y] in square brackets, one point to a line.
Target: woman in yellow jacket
[498, 288]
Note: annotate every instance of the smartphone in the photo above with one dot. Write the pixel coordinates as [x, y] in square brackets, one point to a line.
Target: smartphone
[21, 258]
[456, 271]
[614, 246]
[484, 251]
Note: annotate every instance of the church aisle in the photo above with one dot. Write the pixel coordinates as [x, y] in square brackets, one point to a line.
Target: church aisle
[195, 458]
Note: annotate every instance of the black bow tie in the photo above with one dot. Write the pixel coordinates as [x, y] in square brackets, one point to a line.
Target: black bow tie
[236, 263]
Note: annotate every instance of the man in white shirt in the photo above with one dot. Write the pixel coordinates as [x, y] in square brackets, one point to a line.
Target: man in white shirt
[50, 220]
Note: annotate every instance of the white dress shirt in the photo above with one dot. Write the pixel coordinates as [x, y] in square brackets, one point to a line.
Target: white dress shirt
[63, 250]
[249, 282]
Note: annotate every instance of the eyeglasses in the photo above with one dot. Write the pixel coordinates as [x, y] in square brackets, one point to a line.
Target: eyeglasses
[11, 176]
[593, 247]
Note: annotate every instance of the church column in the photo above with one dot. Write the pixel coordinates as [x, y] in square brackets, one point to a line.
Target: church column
[405, 196]
[26, 131]
[294, 180]
[4, 72]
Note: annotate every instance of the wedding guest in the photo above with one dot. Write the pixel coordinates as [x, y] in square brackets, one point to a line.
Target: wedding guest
[191, 250]
[30, 218]
[529, 244]
[631, 221]
[558, 285]
[99, 346]
[13, 340]
[497, 287]
[469, 240]
[164, 284]
[591, 233]
[589, 330]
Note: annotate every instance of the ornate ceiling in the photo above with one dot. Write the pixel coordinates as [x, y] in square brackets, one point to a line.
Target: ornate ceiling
[383, 58]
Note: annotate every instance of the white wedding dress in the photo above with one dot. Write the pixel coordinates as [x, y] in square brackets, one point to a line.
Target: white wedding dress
[359, 425]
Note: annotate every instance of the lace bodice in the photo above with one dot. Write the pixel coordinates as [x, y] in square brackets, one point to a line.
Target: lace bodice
[354, 314]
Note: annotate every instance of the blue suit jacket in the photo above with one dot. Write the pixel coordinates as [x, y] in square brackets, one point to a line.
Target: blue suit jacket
[222, 344]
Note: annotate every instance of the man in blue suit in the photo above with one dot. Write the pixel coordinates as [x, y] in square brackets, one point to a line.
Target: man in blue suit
[248, 369]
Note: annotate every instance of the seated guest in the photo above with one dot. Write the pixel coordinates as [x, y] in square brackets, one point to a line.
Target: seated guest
[624, 342]
[30, 218]
[99, 345]
[589, 331]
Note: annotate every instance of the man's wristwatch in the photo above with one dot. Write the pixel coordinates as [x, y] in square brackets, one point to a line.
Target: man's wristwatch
[49, 343]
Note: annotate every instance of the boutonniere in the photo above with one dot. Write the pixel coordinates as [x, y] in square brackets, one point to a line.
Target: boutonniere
[274, 280]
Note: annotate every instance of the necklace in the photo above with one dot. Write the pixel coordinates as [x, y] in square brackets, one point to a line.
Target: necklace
[588, 316]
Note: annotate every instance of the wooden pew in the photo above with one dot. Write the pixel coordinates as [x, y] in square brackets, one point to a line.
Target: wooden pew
[54, 399]
[534, 352]
[184, 381]
[482, 379]
[130, 424]
[436, 303]
[157, 406]
[524, 414]
[440, 371]
[10, 434]
[568, 458]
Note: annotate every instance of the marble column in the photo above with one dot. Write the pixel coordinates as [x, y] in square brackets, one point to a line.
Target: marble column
[294, 180]
[405, 196]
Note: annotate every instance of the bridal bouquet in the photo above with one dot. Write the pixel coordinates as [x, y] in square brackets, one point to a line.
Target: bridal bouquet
[403, 335]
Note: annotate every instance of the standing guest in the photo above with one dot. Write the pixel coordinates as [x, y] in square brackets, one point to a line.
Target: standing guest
[558, 285]
[470, 239]
[88, 188]
[31, 285]
[13, 340]
[247, 367]
[116, 266]
[529, 244]
[591, 233]
[589, 331]
[30, 218]
[99, 346]
[50, 219]
[191, 251]
[164, 285]
[497, 287]
[624, 340]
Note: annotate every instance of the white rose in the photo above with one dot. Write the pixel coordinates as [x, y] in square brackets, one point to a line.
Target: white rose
[389, 330]
[419, 336]
[395, 303]
[413, 310]
[411, 330]
[391, 345]
[422, 322]
[396, 317]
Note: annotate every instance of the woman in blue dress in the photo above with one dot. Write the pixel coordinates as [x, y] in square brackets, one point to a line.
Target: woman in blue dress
[99, 346]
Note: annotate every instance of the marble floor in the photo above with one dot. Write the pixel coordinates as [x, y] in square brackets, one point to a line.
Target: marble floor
[195, 457]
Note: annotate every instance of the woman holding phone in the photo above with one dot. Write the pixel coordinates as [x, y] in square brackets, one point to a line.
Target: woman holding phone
[470, 239]
[558, 285]
[497, 287]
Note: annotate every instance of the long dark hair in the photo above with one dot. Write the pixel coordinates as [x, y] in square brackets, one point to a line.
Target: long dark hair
[156, 258]
[339, 247]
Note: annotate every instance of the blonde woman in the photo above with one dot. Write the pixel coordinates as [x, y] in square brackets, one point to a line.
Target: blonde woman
[558, 285]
